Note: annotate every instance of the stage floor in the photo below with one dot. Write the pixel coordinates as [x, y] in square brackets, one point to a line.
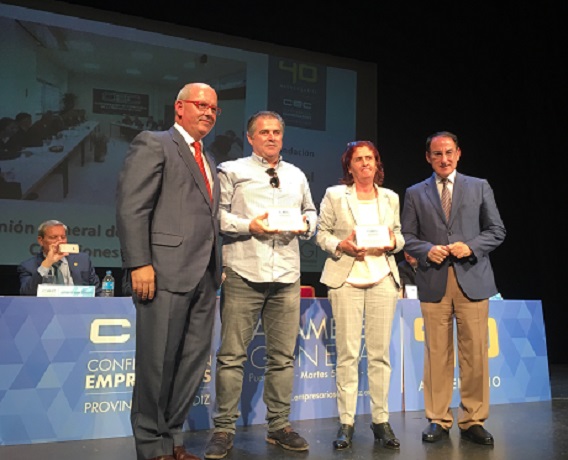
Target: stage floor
[522, 431]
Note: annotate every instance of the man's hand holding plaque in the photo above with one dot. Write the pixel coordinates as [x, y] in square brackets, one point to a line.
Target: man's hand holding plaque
[258, 226]
[287, 220]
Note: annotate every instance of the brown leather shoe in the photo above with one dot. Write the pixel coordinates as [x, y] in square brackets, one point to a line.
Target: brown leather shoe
[181, 454]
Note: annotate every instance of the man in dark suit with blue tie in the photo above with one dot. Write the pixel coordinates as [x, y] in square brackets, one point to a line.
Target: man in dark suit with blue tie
[168, 225]
[68, 269]
[451, 223]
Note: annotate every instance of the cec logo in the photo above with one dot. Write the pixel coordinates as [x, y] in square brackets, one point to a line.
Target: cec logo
[110, 330]
[493, 335]
[297, 104]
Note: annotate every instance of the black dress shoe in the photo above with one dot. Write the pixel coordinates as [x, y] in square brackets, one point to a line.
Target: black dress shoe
[434, 432]
[344, 437]
[384, 434]
[478, 434]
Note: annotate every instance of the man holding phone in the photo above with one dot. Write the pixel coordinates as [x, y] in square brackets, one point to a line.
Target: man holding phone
[58, 262]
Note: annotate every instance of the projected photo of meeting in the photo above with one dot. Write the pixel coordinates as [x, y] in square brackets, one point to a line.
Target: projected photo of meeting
[86, 96]
[79, 88]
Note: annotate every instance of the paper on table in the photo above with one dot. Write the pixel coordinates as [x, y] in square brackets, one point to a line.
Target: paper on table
[55, 290]
[410, 291]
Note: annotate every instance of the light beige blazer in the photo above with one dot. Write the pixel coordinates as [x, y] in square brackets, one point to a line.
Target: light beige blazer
[337, 219]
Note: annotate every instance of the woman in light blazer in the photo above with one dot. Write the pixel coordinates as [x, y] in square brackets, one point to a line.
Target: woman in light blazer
[363, 283]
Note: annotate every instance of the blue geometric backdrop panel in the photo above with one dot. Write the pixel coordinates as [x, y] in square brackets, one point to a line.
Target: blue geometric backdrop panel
[67, 366]
[518, 361]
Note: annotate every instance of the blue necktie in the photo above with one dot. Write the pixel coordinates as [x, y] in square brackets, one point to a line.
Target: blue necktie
[59, 278]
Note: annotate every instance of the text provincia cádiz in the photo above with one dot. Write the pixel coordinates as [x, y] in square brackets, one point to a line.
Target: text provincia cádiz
[118, 374]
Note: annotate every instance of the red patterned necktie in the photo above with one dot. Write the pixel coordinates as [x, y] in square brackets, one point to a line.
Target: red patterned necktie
[199, 159]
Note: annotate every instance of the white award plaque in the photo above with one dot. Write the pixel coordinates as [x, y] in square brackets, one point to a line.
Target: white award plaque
[372, 236]
[286, 219]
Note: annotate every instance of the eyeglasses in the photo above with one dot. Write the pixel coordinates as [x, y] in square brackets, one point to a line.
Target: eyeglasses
[439, 155]
[203, 106]
[274, 181]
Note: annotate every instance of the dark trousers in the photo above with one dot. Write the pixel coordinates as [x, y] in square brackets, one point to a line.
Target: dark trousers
[173, 346]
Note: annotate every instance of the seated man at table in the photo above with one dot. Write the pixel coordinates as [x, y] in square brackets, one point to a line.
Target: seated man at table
[46, 127]
[151, 124]
[8, 129]
[68, 269]
[24, 137]
[407, 271]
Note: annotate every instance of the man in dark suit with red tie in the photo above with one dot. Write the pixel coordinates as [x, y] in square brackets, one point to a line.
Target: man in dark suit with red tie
[455, 281]
[168, 225]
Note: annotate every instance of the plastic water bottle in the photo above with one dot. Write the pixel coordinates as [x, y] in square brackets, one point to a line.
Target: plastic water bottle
[108, 285]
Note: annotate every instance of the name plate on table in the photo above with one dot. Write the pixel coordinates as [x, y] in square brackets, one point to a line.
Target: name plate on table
[286, 219]
[411, 291]
[372, 236]
[59, 290]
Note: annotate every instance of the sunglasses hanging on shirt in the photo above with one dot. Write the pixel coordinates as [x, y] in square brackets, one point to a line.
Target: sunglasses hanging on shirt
[274, 180]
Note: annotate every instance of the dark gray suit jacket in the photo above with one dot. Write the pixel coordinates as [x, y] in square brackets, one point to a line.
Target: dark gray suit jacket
[474, 220]
[164, 215]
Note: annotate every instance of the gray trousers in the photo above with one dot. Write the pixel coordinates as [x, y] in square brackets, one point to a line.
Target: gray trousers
[242, 303]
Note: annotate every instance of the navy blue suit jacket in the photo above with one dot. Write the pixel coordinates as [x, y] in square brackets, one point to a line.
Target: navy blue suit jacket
[82, 272]
[474, 220]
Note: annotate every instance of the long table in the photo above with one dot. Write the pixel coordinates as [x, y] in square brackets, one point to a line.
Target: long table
[121, 129]
[36, 164]
[67, 366]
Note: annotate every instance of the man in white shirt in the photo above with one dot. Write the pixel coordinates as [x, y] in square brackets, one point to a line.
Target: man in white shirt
[262, 268]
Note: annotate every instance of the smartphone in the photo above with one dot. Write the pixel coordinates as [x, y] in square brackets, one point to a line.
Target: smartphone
[70, 248]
